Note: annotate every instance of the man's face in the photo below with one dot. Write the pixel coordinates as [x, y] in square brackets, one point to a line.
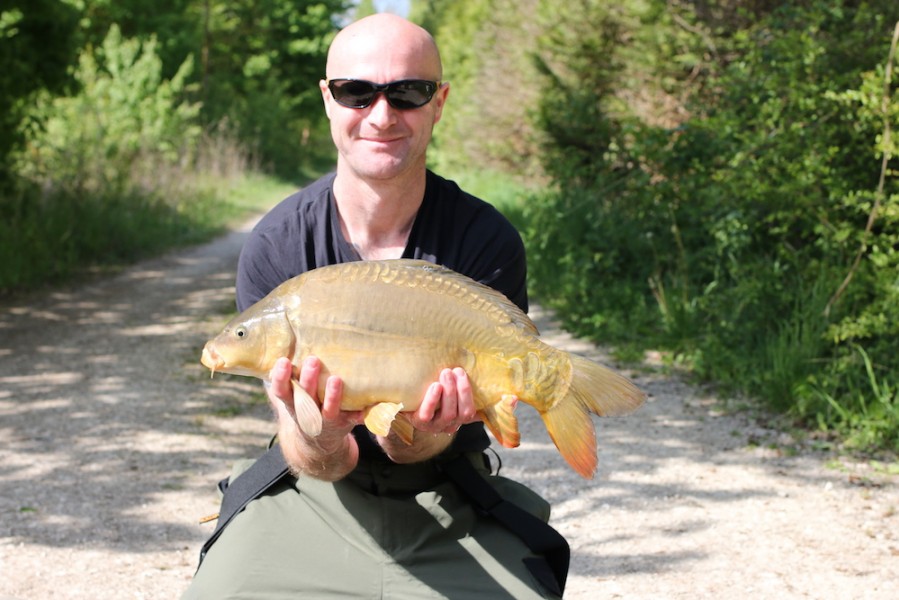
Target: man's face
[380, 142]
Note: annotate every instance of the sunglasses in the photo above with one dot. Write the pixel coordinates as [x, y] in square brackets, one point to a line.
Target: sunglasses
[401, 95]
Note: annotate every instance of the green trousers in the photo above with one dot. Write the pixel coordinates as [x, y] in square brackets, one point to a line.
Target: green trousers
[387, 531]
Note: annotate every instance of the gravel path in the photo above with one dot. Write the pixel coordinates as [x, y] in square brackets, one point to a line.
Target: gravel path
[112, 437]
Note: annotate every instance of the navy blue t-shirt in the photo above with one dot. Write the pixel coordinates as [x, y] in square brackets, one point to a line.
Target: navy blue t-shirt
[452, 228]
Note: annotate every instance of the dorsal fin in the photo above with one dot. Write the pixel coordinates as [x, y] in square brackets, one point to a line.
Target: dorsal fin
[414, 273]
[472, 291]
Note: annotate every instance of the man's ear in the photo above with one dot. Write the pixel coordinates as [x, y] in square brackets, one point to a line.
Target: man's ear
[326, 96]
[440, 98]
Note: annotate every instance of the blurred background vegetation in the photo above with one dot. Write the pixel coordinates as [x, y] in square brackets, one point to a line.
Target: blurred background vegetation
[714, 179]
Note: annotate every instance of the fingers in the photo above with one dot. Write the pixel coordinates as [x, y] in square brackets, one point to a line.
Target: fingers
[309, 373]
[448, 403]
[282, 372]
[332, 413]
[279, 378]
[333, 396]
[430, 403]
[461, 409]
[467, 411]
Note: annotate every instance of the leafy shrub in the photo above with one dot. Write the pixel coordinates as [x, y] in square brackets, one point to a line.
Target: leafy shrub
[759, 237]
[108, 175]
[124, 124]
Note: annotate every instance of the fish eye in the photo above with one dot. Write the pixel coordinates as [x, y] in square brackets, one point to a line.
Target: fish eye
[241, 332]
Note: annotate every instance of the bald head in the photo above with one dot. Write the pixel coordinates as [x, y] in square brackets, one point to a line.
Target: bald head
[384, 47]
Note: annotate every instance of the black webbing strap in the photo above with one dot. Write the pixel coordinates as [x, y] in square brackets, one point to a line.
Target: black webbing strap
[252, 483]
[550, 567]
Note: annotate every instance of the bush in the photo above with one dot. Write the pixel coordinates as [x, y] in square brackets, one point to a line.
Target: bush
[111, 174]
[727, 237]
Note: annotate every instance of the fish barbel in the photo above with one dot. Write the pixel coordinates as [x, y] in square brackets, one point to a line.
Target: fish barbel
[388, 328]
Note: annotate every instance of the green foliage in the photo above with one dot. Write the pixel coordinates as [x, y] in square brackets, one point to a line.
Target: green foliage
[37, 45]
[130, 150]
[865, 409]
[724, 231]
[257, 65]
[54, 236]
[109, 177]
[498, 188]
[123, 126]
[486, 48]
[364, 8]
[262, 60]
[176, 25]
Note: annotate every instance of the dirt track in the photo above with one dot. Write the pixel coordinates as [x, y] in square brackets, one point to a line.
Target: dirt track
[112, 437]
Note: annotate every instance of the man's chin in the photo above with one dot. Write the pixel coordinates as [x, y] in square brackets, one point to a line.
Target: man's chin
[380, 167]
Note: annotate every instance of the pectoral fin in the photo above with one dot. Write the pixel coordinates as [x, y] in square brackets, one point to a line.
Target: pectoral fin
[379, 417]
[309, 415]
[502, 422]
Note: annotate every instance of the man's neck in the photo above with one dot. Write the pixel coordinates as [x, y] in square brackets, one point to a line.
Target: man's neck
[376, 217]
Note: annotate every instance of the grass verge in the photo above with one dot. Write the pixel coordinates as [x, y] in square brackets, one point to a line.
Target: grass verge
[53, 236]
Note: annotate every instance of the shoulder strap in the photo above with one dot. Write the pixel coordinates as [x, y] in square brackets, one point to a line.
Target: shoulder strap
[551, 566]
[262, 474]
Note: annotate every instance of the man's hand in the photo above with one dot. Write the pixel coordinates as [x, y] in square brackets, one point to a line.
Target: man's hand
[447, 405]
[332, 454]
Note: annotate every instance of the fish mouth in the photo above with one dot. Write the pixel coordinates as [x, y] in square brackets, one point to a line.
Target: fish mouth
[211, 360]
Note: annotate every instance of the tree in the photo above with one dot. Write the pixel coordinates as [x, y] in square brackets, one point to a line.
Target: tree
[264, 59]
[258, 63]
[37, 46]
[364, 8]
[487, 51]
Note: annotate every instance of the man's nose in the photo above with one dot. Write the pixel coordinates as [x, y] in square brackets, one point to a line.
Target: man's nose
[380, 112]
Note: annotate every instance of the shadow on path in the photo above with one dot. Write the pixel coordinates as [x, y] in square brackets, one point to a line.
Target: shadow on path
[103, 403]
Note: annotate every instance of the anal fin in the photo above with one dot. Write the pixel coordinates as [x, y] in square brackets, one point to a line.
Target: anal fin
[502, 422]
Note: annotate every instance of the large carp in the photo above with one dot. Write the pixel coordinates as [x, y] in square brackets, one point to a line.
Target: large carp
[388, 328]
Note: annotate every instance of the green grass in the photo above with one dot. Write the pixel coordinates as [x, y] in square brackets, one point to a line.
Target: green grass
[51, 237]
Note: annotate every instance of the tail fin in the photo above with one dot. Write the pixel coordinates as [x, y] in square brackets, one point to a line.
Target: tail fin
[594, 389]
[603, 391]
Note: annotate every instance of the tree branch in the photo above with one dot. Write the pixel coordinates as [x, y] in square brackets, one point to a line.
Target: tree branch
[872, 216]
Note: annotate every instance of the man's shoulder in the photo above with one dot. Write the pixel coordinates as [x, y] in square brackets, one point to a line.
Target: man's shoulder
[441, 188]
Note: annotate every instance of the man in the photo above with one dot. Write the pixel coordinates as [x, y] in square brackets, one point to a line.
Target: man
[368, 516]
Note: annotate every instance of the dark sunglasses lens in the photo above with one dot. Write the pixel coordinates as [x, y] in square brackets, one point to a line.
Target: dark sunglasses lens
[353, 94]
[410, 94]
[402, 95]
